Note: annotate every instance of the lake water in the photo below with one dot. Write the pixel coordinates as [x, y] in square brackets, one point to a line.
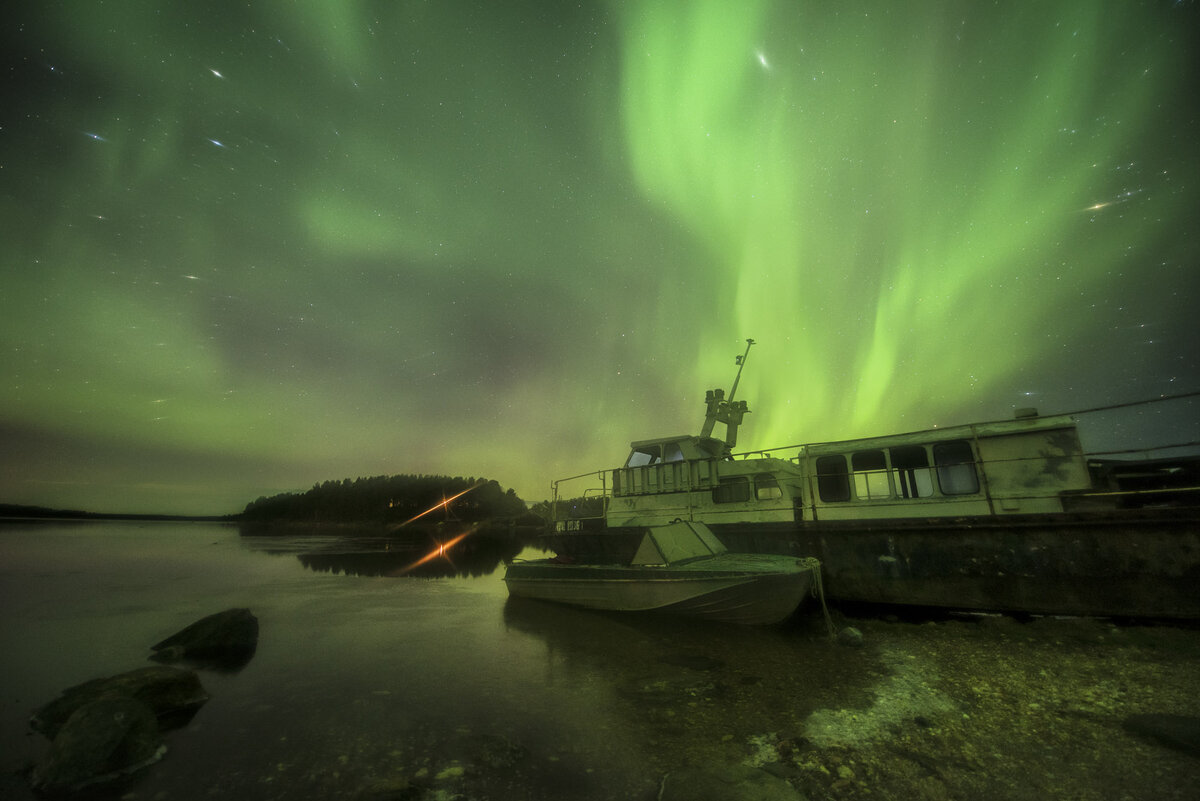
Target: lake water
[363, 681]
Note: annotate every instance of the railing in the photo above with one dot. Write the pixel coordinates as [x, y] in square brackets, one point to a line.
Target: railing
[590, 496]
[1109, 485]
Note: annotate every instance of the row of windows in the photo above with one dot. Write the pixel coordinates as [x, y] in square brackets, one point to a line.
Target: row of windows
[909, 475]
[900, 472]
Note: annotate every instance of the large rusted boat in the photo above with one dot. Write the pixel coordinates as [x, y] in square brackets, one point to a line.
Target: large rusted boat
[1011, 515]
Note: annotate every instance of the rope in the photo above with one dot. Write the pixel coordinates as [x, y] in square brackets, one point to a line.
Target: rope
[818, 590]
[1075, 413]
[1126, 405]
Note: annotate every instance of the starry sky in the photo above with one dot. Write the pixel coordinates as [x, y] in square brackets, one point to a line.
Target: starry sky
[250, 246]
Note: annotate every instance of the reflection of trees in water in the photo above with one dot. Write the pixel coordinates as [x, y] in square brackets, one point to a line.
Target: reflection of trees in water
[419, 554]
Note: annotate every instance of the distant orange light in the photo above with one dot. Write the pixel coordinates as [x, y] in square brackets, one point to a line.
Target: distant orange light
[440, 504]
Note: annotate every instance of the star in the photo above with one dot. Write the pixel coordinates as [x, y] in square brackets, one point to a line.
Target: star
[576, 231]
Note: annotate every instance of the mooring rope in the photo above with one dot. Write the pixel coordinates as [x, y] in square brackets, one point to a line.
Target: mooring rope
[818, 590]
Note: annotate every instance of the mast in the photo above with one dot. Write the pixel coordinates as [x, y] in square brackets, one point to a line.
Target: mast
[729, 412]
[741, 362]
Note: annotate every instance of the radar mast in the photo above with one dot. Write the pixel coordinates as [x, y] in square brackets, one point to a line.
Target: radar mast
[718, 409]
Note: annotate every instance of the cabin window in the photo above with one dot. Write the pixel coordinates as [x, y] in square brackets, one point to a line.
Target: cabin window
[833, 481]
[956, 467]
[651, 454]
[766, 487]
[870, 475]
[732, 490]
[672, 452]
[910, 470]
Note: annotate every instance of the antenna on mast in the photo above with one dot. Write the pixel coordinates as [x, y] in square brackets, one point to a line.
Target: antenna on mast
[729, 412]
[741, 362]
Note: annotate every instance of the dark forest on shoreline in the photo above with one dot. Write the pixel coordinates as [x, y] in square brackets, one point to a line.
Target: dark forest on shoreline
[388, 500]
[391, 500]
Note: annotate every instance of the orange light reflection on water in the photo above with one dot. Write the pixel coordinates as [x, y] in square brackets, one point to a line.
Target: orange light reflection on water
[442, 549]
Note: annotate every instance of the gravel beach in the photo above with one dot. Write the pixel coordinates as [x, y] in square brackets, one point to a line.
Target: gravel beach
[994, 708]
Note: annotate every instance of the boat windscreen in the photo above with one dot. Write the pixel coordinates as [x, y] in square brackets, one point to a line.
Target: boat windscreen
[675, 542]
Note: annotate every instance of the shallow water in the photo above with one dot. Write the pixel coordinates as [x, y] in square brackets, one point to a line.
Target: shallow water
[365, 683]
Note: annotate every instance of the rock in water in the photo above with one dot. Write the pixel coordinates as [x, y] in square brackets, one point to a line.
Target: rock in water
[101, 741]
[734, 783]
[1181, 732]
[227, 639]
[167, 691]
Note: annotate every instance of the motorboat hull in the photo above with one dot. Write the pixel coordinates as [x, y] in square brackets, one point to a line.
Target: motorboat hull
[752, 589]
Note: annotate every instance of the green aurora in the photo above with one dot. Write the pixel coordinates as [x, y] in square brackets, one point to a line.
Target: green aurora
[249, 247]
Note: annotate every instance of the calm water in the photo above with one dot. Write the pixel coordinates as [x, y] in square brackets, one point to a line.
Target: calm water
[362, 682]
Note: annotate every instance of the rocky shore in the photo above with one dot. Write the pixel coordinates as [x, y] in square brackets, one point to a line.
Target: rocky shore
[991, 708]
[107, 729]
[987, 708]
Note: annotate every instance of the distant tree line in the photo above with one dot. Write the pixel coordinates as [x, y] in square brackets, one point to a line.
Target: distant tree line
[393, 500]
[11, 510]
[570, 508]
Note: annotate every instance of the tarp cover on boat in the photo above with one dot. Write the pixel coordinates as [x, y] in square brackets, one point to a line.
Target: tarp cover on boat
[676, 541]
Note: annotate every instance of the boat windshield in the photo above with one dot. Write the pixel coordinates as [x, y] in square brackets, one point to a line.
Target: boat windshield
[654, 454]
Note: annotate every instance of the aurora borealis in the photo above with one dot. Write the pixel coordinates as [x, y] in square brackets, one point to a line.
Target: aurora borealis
[253, 246]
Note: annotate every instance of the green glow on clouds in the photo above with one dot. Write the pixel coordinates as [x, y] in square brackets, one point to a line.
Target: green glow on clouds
[247, 250]
[896, 198]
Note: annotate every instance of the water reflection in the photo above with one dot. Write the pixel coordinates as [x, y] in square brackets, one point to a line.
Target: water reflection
[695, 692]
[431, 552]
[656, 640]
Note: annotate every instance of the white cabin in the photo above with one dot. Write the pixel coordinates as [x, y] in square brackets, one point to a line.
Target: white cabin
[1020, 466]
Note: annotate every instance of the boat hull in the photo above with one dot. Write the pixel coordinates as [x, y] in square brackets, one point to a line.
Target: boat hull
[749, 589]
[1143, 565]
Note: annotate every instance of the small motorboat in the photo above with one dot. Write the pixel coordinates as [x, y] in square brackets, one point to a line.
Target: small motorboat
[680, 568]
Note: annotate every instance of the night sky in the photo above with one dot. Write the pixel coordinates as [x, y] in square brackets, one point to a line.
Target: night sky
[252, 246]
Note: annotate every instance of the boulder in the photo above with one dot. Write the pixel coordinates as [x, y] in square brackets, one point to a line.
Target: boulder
[101, 741]
[227, 640]
[168, 692]
[732, 783]
[850, 636]
[1181, 732]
